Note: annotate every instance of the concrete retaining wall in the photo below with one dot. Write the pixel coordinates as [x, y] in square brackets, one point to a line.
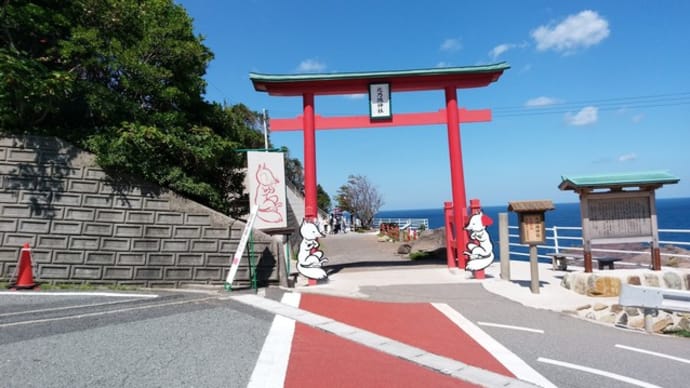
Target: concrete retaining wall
[85, 226]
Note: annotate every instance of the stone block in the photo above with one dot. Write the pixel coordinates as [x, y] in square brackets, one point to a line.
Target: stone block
[65, 199]
[651, 280]
[198, 219]
[86, 272]
[146, 245]
[114, 244]
[131, 258]
[84, 243]
[190, 259]
[95, 173]
[603, 286]
[53, 272]
[162, 284]
[205, 246]
[217, 233]
[22, 155]
[97, 201]
[68, 257]
[66, 227]
[178, 273]
[52, 242]
[138, 217]
[207, 274]
[128, 230]
[77, 186]
[228, 246]
[153, 231]
[41, 256]
[9, 197]
[108, 215]
[156, 204]
[124, 202]
[34, 226]
[218, 259]
[186, 232]
[3, 154]
[673, 280]
[18, 240]
[7, 225]
[161, 259]
[115, 273]
[148, 273]
[634, 280]
[169, 218]
[9, 254]
[661, 324]
[93, 229]
[16, 211]
[79, 214]
[100, 258]
[175, 246]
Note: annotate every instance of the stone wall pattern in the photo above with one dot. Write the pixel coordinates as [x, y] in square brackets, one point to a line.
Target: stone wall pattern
[85, 226]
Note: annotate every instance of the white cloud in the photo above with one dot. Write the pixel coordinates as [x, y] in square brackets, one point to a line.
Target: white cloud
[502, 48]
[627, 157]
[357, 96]
[443, 64]
[637, 118]
[451, 44]
[587, 115]
[311, 66]
[577, 31]
[541, 101]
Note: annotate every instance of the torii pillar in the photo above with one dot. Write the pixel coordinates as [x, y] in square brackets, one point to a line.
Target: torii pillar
[447, 79]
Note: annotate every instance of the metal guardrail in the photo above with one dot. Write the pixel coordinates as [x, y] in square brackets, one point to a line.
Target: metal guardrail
[654, 298]
[414, 223]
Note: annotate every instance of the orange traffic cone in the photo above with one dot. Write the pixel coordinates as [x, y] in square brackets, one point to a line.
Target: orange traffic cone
[25, 274]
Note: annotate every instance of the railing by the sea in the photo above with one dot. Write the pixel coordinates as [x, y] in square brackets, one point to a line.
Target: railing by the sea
[403, 223]
[569, 239]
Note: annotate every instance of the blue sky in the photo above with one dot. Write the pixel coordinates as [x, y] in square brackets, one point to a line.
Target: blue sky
[594, 87]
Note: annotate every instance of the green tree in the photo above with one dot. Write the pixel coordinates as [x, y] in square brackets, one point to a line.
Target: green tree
[322, 198]
[124, 79]
[360, 197]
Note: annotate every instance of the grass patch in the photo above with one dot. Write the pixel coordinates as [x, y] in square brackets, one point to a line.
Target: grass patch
[682, 333]
[85, 287]
[420, 255]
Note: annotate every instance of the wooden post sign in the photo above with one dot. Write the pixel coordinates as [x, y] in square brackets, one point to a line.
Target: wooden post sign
[532, 232]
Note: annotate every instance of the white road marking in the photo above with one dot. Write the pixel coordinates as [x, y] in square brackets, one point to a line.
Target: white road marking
[512, 362]
[511, 327]
[43, 293]
[67, 307]
[88, 315]
[271, 367]
[599, 372]
[674, 358]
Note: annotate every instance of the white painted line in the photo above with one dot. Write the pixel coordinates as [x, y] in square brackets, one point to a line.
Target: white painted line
[512, 362]
[271, 367]
[599, 372]
[511, 327]
[67, 307]
[43, 293]
[88, 315]
[651, 353]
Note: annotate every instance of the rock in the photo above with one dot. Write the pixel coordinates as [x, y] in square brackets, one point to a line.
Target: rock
[579, 285]
[591, 315]
[684, 324]
[651, 280]
[404, 249]
[603, 286]
[565, 281]
[584, 307]
[672, 280]
[632, 311]
[623, 319]
[636, 323]
[600, 306]
[608, 318]
[662, 324]
[634, 280]
[687, 281]
[616, 308]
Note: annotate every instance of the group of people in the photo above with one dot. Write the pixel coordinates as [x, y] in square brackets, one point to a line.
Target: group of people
[336, 223]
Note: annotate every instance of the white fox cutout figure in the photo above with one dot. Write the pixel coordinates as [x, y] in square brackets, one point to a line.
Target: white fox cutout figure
[309, 257]
[480, 250]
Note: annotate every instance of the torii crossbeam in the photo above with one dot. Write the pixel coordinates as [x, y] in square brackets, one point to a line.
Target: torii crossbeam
[447, 79]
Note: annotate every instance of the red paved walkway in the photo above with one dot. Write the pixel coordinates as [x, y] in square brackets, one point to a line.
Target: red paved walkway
[320, 359]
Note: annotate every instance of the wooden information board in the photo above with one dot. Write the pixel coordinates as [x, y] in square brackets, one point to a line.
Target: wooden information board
[532, 228]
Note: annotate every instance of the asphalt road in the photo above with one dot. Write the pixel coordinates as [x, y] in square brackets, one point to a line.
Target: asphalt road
[174, 340]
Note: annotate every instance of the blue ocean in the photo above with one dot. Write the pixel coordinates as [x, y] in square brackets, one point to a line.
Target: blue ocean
[672, 213]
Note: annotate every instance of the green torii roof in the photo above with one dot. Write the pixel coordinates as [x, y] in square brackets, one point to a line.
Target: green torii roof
[647, 179]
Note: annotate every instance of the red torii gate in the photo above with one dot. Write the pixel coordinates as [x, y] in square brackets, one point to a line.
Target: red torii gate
[447, 79]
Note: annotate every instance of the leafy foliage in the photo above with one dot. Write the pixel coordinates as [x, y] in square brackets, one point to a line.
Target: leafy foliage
[360, 197]
[124, 79]
[323, 200]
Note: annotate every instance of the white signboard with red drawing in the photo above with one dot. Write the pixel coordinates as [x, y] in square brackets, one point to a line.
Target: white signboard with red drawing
[266, 176]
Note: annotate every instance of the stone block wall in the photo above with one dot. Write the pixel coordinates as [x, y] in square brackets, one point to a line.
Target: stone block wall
[85, 226]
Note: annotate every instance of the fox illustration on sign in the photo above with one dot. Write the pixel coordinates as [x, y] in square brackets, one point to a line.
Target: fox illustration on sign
[480, 250]
[309, 257]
